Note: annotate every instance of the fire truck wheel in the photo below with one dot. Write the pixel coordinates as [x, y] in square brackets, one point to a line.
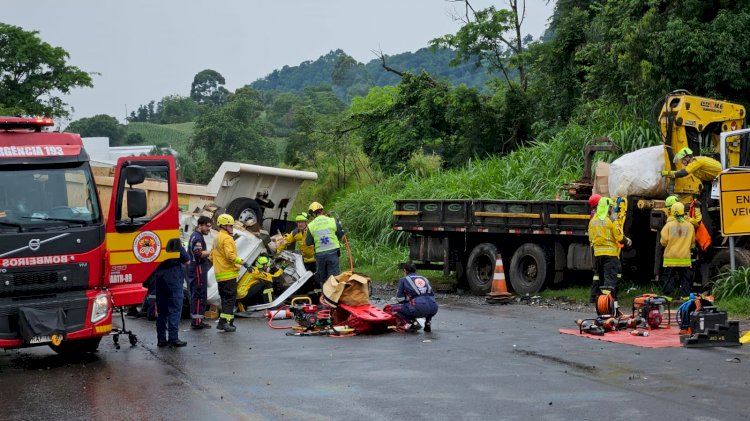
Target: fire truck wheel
[244, 209]
[480, 268]
[528, 269]
[80, 346]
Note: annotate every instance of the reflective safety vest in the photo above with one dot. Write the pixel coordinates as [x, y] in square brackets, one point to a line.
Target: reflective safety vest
[323, 230]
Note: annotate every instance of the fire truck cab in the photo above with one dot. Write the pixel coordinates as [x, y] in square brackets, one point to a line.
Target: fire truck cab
[64, 266]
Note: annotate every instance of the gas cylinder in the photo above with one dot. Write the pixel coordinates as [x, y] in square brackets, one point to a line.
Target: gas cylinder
[279, 314]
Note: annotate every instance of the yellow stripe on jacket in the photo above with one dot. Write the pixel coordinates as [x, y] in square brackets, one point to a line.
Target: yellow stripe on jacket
[298, 237]
[224, 257]
[678, 237]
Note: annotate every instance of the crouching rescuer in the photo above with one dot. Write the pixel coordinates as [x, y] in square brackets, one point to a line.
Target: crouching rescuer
[605, 235]
[226, 269]
[416, 299]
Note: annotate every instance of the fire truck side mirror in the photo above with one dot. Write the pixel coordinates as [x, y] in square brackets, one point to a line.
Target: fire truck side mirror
[135, 174]
[137, 207]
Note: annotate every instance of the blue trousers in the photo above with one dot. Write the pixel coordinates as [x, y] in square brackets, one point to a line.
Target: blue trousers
[328, 265]
[197, 276]
[422, 306]
[168, 280]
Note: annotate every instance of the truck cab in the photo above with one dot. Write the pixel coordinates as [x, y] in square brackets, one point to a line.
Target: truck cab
[64, 265]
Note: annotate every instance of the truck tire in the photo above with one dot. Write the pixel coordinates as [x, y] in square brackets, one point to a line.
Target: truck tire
[720, 262]
[480, 268]
[528, 269]
[244, 209]
[80, 346]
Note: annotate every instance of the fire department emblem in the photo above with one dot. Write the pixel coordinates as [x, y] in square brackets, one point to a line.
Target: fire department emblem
[146, 247]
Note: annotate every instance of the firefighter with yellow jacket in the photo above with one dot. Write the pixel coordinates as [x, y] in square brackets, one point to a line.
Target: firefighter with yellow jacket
[226, 270]
[297, 239]
[253, 284]
[605, 235]
[677, 238]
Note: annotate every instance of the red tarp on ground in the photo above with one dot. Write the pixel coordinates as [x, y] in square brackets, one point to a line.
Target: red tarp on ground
[657, 338]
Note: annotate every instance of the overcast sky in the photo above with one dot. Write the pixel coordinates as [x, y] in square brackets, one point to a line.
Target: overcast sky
[145, 50]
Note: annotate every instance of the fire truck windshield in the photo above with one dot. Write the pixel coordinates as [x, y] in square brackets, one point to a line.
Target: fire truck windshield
[47, 196]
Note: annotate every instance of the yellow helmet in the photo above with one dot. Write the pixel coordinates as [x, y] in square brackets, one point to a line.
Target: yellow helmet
[300, 218]
[678, 209]
[682, 153]
[224, 219]
[261, 261]
[671, 200]
[314, 207]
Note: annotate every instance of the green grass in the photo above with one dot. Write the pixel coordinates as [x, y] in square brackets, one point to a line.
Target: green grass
[738, 307]
[173, 135]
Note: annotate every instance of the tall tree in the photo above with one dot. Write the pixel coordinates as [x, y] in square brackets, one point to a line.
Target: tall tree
[34, 75]
[208, 88]
[234, 132]
[99, 125]
[492, 38]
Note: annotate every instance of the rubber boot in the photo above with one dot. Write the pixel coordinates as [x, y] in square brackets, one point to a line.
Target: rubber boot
[230, 327]
[222, 324]
[428, 326]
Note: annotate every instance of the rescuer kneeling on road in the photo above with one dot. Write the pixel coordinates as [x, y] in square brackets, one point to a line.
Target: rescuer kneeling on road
[168, 279]
[604, 236]
[226, 270]
[416, 299]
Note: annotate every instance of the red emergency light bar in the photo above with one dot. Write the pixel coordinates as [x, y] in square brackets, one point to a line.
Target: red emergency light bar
[35, 123]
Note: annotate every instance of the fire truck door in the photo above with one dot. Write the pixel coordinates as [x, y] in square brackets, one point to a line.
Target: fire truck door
[142, 225]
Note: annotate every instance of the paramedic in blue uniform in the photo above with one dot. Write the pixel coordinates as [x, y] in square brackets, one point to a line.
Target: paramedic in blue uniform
[416, 299]
[197, 273]
[168, 279]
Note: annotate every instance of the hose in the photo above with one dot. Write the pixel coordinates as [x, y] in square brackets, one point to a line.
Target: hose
[273, 315]
[349, 251]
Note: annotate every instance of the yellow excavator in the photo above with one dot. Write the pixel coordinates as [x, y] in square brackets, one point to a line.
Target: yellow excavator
[688, 121]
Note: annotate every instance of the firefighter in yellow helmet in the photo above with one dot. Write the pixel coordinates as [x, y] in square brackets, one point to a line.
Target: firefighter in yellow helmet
[325, 234]
[702, 167]
[604, 236]
[226, 270]
[297, 239]
[253, 284]
[677, 238]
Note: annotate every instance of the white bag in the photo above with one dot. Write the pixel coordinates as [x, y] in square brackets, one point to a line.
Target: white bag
[639, 173]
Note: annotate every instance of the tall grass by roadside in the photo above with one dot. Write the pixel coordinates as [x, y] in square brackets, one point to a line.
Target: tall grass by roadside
[533, 172]
[734, 283]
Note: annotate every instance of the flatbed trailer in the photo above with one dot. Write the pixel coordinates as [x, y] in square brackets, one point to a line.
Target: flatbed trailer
[541, 242]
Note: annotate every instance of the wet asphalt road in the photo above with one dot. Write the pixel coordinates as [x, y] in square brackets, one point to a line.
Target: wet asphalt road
[480, 362]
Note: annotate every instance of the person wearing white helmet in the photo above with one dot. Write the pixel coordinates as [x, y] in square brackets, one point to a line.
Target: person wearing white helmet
[226, 270]
[326, 234]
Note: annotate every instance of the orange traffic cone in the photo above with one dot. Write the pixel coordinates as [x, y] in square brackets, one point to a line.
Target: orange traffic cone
[499, 293]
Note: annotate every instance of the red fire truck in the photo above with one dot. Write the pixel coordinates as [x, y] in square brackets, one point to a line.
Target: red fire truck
[65, 267]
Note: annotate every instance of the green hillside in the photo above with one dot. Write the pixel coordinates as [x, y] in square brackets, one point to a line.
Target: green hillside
[175, 136]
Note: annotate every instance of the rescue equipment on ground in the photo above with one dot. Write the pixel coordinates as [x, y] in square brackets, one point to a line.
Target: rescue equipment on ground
[704, 325]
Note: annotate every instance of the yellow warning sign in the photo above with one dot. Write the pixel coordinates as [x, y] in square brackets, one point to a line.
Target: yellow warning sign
[735, 203]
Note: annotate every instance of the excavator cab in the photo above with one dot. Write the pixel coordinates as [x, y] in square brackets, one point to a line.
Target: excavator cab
[696, 123]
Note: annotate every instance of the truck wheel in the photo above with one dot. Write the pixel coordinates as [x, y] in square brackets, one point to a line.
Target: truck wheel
[80, 346]
[528, 269]
[480, 268]
[720, 262]
[244, 209]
